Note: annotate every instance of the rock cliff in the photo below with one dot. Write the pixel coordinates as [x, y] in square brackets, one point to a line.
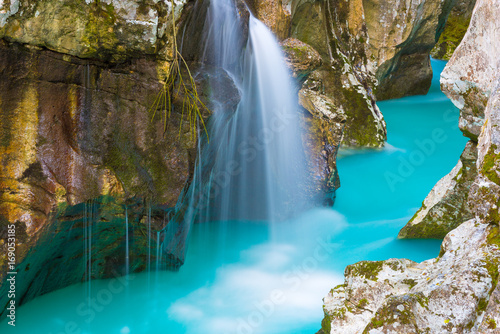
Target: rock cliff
[77, 86]
[454, 30]
[468, 80]
[458, 291]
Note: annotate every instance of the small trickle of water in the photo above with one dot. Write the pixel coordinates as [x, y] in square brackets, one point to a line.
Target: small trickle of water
[127, 251]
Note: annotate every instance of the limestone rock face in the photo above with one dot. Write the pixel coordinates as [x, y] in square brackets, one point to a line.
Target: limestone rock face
[79, 120]
[446, 206]
[300, 58]
[110, 30]
[324, 128]
[337, 31]
[58, 256]
[470, 75]
[458, 291]
[484, 195]
[454, 29]
[275, 14]
[73, 130]
[468, 80]
[449, 294]
[401, 35]
[323, 122]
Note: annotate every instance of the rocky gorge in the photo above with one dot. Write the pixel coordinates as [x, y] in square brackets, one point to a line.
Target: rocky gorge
[83, 155]
[456, 292]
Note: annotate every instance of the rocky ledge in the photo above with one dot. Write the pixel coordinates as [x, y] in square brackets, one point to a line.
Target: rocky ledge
[457, 292]
[468, 80]
[454, 293]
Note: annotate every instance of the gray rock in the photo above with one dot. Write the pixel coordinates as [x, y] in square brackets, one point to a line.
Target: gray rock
[446, 206]
[458, 291]
[443, 295]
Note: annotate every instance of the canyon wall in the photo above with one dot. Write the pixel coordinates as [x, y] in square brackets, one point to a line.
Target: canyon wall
[458, 291]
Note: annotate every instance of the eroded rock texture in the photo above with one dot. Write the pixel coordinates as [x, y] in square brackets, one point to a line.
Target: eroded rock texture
[401, 36]
[336, 29]
[80, 125]
[449, 294]
[78, 82]
[458, 291]
[446, 205]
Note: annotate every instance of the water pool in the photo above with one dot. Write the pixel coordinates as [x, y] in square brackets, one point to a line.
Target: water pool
[248, 277]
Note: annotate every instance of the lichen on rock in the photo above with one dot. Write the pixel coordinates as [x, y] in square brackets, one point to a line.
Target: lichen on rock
[446, 206]
[454, 29]
[458, 290]
[443, 295]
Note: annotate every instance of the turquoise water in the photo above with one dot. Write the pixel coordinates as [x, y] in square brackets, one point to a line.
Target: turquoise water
[254, 278]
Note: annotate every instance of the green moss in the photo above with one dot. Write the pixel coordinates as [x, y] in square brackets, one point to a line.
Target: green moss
[362, 303]
[339, 314]
[491, 323]
[491, 262]
[428, 230]
[326, 323]
[100, 37]
[489, 165]
[410, 282]
[340, 286]
[454, 31]
[367, 269]
[361, 126]
[481, 305]
[494, 236]
[469, 325]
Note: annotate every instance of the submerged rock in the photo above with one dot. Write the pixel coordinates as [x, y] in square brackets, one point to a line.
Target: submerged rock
[74, 129]
[88, 241]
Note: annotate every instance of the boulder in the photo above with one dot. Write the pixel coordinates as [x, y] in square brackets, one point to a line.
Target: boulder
[458, 291]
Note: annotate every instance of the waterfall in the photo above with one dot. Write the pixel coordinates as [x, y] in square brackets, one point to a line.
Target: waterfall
[127, 254]
[254, 166]
[258, 158]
